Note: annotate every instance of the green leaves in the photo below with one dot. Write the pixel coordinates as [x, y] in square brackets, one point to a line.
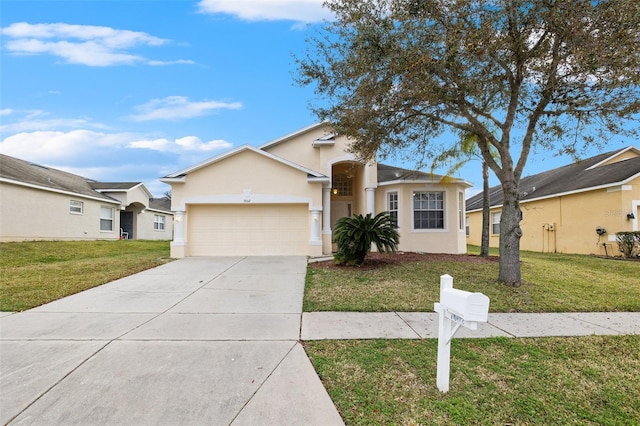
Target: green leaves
[356, 234]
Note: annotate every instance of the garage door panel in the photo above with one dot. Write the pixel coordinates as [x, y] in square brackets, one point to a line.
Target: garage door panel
[248, 230]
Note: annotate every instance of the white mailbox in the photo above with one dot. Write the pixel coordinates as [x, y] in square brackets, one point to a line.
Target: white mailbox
[463, 308]
[471, 307]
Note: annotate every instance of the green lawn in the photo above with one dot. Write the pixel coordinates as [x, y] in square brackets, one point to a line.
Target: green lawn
[550, 381]
[38, 272]
[552, 283]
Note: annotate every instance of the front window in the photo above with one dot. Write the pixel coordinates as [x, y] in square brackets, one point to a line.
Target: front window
[428, 210]
[342, 186]
[460, 210]
[158, 222]
[106, 218]
[466, 225]
[76, 207]
[495, 223]
[392, 206]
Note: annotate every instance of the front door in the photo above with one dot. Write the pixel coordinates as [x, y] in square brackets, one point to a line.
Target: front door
[126, 223]
[340, 209]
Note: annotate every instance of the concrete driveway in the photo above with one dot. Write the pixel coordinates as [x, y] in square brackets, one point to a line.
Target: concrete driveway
[196, 341]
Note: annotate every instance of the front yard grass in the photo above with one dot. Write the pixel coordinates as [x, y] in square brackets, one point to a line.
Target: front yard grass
[498, 381]
[552, 283]
[37, 272]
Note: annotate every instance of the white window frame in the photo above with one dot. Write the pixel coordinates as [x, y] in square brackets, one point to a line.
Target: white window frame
[342, 185]
[159, 222]
[76, 207]
[495, 223]
[461, 221]
[103, 209]
[444, 210]
[467, 228]
[394, 203]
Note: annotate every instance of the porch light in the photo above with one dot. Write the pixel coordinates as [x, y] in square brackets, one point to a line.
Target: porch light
[631, 216]
[335, 191]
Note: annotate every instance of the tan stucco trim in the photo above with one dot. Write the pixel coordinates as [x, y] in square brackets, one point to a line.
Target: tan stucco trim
[247, 199]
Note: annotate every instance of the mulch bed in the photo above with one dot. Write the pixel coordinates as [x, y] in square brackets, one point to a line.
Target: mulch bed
[376, 260]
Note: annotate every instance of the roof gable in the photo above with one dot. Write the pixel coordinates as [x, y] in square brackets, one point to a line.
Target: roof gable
[207, 163]
[293, 135]
[586, 175]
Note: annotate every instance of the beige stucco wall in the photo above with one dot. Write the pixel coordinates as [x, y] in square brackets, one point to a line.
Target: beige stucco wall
[574, 219]
[33, 214]
[145, 229]
[131, 196]
[265, 180]
[449, 240]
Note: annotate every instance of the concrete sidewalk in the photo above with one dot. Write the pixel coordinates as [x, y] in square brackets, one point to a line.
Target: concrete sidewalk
[196, 341]
[424, 325]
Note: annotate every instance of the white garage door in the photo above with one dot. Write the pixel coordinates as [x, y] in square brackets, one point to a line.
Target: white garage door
[248, 230]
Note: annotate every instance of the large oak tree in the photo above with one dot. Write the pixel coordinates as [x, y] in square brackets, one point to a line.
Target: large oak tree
[545, 74]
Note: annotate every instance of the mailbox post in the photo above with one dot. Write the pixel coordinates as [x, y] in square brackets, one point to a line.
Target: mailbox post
[463, 308]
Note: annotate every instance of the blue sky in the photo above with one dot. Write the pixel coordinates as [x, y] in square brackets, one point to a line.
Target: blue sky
[134, 90]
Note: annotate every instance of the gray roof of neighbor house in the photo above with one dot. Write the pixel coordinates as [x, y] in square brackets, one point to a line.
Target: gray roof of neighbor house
[114, 185]
[163, 204]
[580, 176]
[24, 172]
[390, 173]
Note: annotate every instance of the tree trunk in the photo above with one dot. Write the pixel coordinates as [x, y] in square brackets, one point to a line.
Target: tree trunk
[510, 234]
[484, 244]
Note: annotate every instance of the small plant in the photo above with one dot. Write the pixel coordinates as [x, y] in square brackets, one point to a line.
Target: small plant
[354, 236]
[628, 243]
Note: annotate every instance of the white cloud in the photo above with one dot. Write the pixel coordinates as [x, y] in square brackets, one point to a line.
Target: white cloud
[47, 146]
[82, 44]
[268, 10]
[36, 120]
[6, 111]
[178, 107]
[187, 143]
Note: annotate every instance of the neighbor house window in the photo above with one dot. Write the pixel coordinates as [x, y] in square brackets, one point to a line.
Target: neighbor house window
[495, 223]
[106, 218]
[392, 206]
[342, 186]
[466, 225]
[460, 210]
[76, 207]
[158, 222]
[428, 210]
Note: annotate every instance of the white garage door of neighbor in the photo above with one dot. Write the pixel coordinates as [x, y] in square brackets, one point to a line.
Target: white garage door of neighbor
[248, 230]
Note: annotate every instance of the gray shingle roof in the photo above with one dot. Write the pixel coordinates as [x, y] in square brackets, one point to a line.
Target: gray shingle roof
[114, 185]
[571, 178]
[162, 204]
[29, 173]
[390, 173]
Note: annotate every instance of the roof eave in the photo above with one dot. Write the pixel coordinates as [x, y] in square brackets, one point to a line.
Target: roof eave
[106, 198]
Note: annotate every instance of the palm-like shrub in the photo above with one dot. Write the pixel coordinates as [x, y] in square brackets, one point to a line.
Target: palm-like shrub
[354, 236]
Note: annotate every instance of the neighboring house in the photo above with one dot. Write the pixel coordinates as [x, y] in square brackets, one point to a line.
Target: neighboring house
[42, 203]
[572, 209]
[284, 198]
